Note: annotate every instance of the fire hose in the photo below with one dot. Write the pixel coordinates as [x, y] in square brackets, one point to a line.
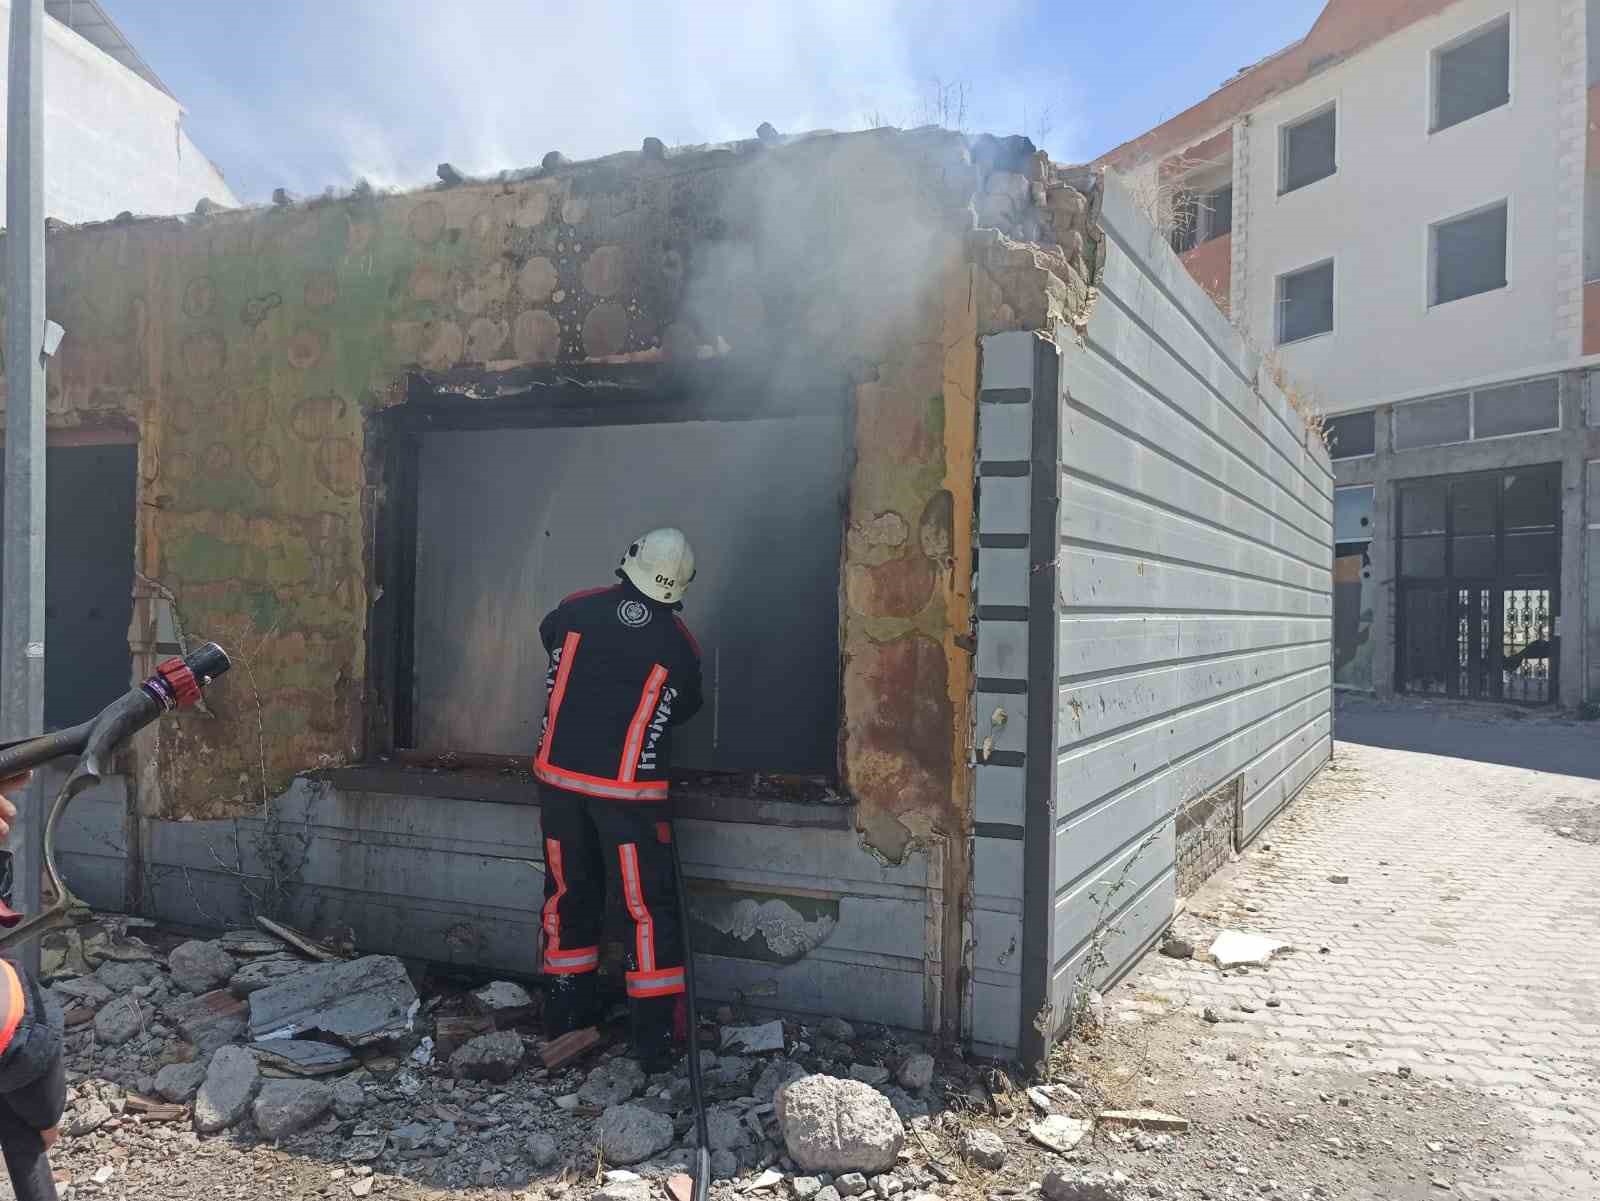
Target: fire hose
[702, 1156]
[176, 684]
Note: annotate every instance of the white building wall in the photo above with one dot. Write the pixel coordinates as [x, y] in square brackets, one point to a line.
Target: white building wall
[112, 142]
[1394, 180]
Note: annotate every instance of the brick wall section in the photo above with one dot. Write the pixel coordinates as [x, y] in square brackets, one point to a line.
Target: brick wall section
[1345, 28]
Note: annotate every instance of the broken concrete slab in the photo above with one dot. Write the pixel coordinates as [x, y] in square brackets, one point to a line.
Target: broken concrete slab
[85, 991]
[1059, 1133]
[302, 1057]
[358, 1003]
[264, 971]
[1235, 948]
[1052, 1098]
[753, 1040]
[209, 1021]
[121, 1020]
[250, 944]
[1145, 1119]
[504, 1002]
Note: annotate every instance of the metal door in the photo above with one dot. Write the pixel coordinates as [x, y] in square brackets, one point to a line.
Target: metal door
[1479, 570]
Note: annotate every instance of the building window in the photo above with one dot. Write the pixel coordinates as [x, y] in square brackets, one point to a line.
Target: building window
[1306, 150]
[1526, 407]
[1199, 217]
[1351, 435]
[1472, 76]
[1436, 422]
[1305, 303]
[1468, 254]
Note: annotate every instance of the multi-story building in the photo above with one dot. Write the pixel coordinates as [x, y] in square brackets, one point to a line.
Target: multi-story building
[113, 134]
[1403, 208]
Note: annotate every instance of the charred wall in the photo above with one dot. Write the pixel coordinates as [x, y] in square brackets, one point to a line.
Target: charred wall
[246, 351]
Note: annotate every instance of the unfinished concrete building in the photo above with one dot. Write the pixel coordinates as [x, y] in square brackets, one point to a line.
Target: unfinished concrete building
[1015, 591]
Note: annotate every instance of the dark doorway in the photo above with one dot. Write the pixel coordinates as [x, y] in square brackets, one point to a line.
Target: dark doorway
[1479, 585]
[89, 535]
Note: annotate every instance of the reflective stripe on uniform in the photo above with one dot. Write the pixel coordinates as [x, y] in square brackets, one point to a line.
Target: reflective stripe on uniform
[571, 963]
[558, 692]
[644, 928]
[574, 781]
[655, 984]
[11, 996]
[634, 742]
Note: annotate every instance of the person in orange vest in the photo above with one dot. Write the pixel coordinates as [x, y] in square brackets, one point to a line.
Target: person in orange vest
[624, 670]
[33, 1086]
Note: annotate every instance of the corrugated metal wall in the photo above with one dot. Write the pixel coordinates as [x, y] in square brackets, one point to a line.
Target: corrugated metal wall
[1155, 621]
[1195, 594]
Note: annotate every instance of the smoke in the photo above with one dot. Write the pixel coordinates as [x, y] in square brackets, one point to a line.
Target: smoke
[387, 89]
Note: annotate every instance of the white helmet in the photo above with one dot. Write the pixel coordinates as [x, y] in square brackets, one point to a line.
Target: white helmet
[660, 564]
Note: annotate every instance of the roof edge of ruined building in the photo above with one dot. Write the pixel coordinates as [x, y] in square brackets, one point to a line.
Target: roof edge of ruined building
[674, 160]
[1344, 28]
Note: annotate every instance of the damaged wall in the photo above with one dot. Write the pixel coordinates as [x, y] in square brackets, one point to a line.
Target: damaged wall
[247, 351]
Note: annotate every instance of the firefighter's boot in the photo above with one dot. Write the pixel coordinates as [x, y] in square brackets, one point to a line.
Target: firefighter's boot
[569, 1004]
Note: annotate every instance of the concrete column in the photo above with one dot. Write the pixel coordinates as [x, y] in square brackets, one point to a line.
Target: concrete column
[1574, 539]
[1385, 563]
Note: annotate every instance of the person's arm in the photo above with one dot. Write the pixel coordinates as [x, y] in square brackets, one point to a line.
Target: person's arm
[31, 1059]
[554, 628]
[686, 680]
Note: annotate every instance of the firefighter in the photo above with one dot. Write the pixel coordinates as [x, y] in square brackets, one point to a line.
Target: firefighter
[624, 670]
[33, 1086]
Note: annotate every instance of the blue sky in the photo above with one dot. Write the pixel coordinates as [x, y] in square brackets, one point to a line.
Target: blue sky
[304, 94]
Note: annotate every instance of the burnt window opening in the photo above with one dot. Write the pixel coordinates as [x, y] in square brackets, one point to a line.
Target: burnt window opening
[1308, 150]
[1201, 216]
[1351, 435]
[88, 577]
[1305, 303]
[1467, 254]
[497, 509]
[1472, 75]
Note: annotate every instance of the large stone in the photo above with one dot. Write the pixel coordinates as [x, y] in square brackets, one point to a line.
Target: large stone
[494, 1057]
[1084, 1186]
[179, 1082]
[121, 1020]
[285, 1107]
[984, 1148]
[124, 977]
[542, 1150]
[612, 1083]
[833, 1125]
[349, 1099]
[916, 1073]
[357, 1003]
[199, 967]
[87, 1116]
[725, 1128]
[774, 1076]
[230, 1085]
[627, 1134]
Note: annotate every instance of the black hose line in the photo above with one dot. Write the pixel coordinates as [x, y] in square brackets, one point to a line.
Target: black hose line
[702, 1172]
